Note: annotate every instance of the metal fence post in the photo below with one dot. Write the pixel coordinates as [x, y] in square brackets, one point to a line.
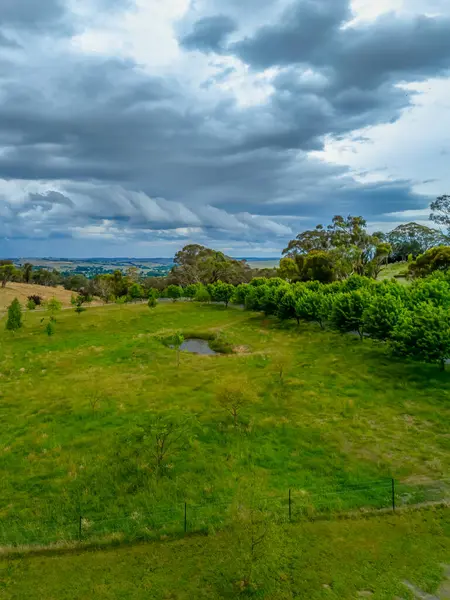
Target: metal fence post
[393, 495]
[290, 507]
[185, 517]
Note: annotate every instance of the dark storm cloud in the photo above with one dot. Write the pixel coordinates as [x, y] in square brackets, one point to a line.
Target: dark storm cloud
[209, 34]
[128, 153]
[311, 33]
[304, 30]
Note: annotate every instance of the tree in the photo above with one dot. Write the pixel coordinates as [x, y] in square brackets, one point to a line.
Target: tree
[135, 291]
[305, 242]
[348, 310]
[77, 302]
[342, 248]
[157, 441]
[132, 274]
[27, 272]
[434, 289]
[7, 272]
[198, 264]
[14, 321]
[314, 306]
[175, 292]
[423, 334]
[190, 290]
[382, 253]
[223, 292]
[45, 277]
[50, 329]
[177, 342]
[440, 211]
[104, 287]
[202, 294]
[381, 315]
[435, 259]
[240, 293]
[152, 298]
[414, 239]
[54, 306]
[288, 269]
[233, 396]
[287, 306]
[31, 305]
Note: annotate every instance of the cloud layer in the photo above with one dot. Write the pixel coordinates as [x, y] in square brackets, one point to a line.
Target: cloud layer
[231, 131]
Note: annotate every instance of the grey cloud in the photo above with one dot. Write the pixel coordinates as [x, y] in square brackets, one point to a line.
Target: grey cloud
[31, 13]
[151, 158]
[365, 56]
[209, 34]
[301, 34]
[6, 42]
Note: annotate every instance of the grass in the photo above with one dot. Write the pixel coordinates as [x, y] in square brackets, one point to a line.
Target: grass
[397, 270]
[21, 291]
[75, 410]
[71, 407]
[325, 560]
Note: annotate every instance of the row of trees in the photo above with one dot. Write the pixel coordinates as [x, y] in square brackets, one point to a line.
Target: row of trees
[414, 320]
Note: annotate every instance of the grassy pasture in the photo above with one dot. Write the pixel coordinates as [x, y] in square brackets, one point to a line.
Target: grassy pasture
[343, 414]
[381, 558]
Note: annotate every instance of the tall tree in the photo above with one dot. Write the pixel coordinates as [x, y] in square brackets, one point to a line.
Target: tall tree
[440, 210]
[27, 270]
[198, 264]
[345, 245]
[434, 259]
[414, 239]
[7, 272]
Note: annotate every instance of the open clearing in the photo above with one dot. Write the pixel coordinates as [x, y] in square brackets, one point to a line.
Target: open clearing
[343, 414]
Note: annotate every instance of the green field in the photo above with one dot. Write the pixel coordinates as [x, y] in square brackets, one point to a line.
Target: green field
[327, 560]
[343, 419]
[394, 270]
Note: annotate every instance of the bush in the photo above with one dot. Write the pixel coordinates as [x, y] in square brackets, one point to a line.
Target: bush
[347, 311]
[240, 293]
[314, 306]
[14, 320]
[36, 299]
[31, 305]
[222, 292]
[202, 294]
[50, 328]
[381, 316]
[174, 292]
[423, 334]
[190, 290]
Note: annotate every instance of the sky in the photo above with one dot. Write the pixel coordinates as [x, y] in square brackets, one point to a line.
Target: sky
[134, 127]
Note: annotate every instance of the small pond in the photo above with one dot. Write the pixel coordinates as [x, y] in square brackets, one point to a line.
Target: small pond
[197, 346]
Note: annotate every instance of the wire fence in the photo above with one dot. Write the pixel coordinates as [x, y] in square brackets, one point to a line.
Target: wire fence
[215, 513]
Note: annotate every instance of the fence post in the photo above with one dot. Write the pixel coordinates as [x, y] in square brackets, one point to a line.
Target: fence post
[393, 495]
[185, 517]
[290, 510]
[80, 524]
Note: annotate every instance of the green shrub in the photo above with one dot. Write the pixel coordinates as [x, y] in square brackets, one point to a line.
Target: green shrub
[14, 320]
